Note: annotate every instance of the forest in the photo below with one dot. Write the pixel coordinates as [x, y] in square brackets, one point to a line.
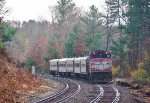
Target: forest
[123, 29]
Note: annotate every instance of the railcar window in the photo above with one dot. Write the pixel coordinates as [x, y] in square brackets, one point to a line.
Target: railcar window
[61, 65]
[108, 55]
[54, 65]
[77, 65]
[69, 65]
[82, 65]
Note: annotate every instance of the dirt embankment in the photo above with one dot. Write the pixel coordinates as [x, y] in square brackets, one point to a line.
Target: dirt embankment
[15, 82]
[140, 92]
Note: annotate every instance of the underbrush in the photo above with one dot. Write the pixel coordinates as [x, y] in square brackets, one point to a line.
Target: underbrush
[142, 73]
[115, 71]
[140, 76]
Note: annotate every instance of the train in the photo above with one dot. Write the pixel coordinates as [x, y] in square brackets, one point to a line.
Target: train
[96, 67]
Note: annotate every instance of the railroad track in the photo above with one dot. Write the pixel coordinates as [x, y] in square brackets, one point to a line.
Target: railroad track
[72, 93]
[70, 90]
[107, 94]
[55, 95]
[117, 98]
[101, 93]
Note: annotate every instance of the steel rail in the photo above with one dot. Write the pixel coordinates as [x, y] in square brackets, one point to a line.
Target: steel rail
[71, 95]
[55, 95]
[117, 98]
[99, 96]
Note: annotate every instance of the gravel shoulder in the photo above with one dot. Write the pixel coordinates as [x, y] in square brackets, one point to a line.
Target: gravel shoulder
[132, 93]
[49, 87]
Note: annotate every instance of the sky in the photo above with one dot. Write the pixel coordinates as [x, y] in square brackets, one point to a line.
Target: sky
[24, 10]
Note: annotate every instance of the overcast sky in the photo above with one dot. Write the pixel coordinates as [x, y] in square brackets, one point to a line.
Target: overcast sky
[23, 10]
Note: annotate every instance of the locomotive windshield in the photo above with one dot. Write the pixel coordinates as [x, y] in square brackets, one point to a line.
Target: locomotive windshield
[100, 54]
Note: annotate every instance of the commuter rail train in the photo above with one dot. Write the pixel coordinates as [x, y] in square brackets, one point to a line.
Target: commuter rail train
[97, 67]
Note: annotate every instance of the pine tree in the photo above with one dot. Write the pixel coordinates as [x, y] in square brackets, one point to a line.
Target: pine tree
[64, 8]
[3, 11]
[137, 29]
[69, 43]
[93, 30]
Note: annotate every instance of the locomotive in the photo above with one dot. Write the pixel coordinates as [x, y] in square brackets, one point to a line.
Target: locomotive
[97, 67]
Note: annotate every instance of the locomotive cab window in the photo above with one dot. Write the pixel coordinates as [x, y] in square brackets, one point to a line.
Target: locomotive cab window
[99, 54]
[108, 55]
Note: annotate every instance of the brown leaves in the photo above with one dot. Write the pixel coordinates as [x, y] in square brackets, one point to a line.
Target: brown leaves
[79, 48]
[14, 81]
[38, 50]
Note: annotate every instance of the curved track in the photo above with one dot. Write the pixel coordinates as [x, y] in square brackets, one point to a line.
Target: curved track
[108, 94]
[117, 98]
[55, 95]
[72, 94]
[99, 96]
[104, 93]
[70, 90]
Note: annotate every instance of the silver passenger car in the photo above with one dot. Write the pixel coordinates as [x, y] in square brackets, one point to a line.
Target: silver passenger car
[70, 65]
[62, 65]
[54, 65]
[84, 66]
